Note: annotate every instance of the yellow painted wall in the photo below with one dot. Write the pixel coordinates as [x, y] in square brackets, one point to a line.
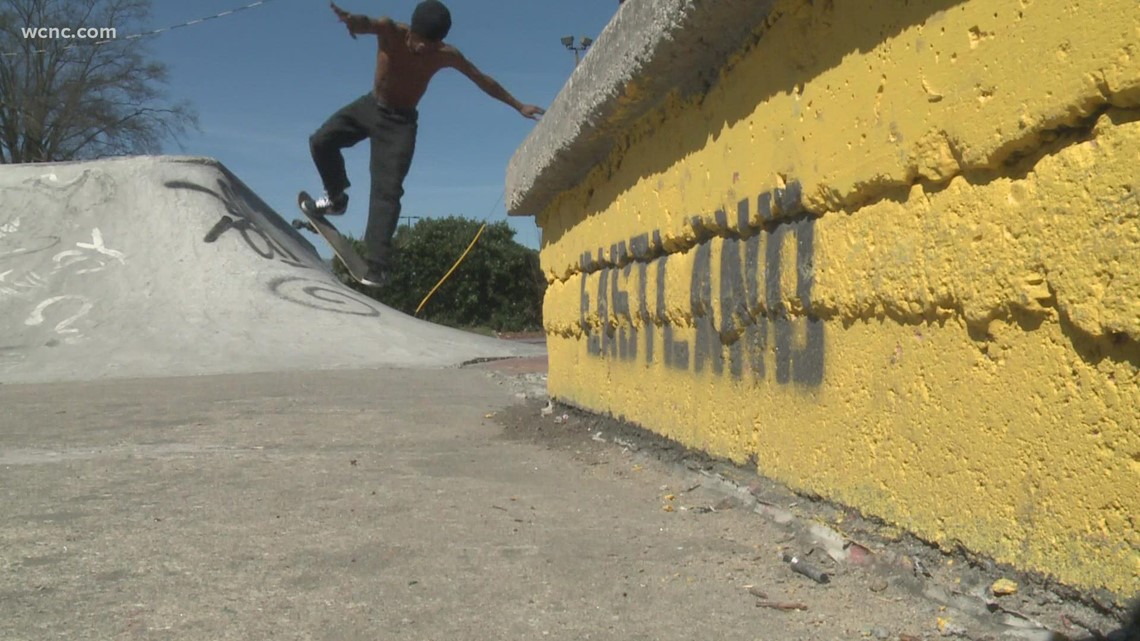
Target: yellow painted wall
[893, 257]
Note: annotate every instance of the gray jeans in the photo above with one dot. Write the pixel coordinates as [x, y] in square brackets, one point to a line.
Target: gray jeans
[392, 133]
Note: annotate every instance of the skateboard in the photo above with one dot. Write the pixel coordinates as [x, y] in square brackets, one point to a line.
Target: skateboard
[318, 224]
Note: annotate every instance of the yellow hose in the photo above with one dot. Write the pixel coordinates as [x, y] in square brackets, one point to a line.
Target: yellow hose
[449, 272]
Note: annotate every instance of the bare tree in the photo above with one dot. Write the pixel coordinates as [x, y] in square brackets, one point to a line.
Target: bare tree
[66, 99]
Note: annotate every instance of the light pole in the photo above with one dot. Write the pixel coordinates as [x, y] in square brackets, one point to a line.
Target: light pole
[584, 44]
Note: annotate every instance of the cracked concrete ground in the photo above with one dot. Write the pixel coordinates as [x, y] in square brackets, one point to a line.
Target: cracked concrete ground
[423, 504]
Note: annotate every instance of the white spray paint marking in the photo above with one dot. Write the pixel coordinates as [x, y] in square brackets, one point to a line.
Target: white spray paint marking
[4, 290]
[8, 229]
[13, 287]
[64, 327]
[70, 257]
[97, 245]
[31, 280]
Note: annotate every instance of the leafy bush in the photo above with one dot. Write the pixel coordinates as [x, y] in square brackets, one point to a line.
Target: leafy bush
[499, 285]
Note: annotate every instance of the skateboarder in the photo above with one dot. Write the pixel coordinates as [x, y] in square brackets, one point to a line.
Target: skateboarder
[407, 58]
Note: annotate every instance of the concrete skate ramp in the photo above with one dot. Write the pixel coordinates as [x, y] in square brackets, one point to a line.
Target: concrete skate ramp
[165, 266]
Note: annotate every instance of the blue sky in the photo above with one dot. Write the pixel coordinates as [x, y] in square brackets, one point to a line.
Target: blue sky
[264, 79]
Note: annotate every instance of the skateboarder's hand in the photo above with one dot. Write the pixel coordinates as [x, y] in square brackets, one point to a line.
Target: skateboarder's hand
[531, 111]
[344, 17]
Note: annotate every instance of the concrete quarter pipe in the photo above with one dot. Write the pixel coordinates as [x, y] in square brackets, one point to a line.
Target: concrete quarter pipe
[167, 266]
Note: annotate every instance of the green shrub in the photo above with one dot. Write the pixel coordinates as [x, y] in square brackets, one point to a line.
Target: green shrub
[498, 286]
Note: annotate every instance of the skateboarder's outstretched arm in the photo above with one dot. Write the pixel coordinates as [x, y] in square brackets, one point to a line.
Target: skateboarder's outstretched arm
[489, 85]
[363, 24]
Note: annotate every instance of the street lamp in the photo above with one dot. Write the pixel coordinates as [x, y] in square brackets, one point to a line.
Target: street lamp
[583, 45]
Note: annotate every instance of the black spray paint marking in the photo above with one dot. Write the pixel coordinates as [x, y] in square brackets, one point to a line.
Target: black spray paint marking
[245, 219]
[242, 219]
[320, 295]
[676, 353]
[39, 244]
[747, 330]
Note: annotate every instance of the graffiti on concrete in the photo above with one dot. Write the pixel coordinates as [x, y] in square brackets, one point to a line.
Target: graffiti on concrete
[11, 229]
[754, 317]
[95, 255]
[87, 258]
[246, 215]
[319, 295]
[63, 328]
[13, 283]
[63, 317]
[265, 247]
[242, 217]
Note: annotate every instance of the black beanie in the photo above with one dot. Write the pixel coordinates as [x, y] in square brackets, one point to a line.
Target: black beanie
[431, 20]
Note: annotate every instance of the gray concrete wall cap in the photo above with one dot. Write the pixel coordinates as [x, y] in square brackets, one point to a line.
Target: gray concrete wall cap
[649, 49]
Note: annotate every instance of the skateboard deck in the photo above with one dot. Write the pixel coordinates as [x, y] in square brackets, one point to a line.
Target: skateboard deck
[343, 249]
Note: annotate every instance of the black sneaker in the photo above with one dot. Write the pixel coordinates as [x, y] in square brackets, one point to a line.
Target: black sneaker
[332, 206]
